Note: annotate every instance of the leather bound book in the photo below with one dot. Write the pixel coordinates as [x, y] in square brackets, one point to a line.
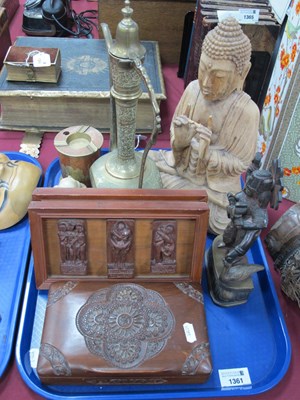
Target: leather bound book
[124, 333]
[82, 94]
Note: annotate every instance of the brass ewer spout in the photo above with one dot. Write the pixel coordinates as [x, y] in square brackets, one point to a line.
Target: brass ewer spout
[107, 35]
[123, 166]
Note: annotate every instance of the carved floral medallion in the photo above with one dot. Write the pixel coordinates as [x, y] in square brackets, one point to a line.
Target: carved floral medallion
[125, 324]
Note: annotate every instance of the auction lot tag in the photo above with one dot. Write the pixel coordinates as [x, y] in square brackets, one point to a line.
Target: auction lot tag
[248, 15]
[189, 332]
[243, 15]
[234, 377]
[33, 357]
[41, 59]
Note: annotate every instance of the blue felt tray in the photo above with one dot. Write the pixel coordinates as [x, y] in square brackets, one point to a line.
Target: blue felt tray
[252, 335]
[14, 251]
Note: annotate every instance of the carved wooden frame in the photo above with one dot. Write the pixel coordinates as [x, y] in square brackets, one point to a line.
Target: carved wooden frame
[188, 207]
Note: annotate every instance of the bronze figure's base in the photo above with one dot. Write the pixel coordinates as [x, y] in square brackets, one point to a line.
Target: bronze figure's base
[225, 293]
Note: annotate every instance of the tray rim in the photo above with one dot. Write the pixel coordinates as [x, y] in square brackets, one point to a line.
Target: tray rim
[20, 272]
[47, 391]
[11, 330]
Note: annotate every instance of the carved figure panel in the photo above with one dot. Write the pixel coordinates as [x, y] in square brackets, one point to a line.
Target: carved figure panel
[163, 257]
[73, 246]
[120, 248]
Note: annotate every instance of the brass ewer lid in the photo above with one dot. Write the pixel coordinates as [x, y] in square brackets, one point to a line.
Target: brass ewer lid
[127, 44]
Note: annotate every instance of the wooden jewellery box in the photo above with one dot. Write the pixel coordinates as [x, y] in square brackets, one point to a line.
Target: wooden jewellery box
[124, 333]
[123, 268]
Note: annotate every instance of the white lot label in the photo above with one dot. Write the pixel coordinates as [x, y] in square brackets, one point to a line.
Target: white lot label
[33, 356]
[41, 60]
[248, 15]
[243, 15]
[189, 332]
[234, 377]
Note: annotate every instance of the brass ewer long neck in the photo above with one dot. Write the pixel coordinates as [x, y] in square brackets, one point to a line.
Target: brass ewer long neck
[125, 91]
[126, 54]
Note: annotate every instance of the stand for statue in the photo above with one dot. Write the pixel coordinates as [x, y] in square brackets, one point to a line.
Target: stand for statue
[225, 293]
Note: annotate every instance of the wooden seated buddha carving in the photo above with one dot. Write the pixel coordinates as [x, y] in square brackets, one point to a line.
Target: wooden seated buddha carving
[215, 125]
[18, 179]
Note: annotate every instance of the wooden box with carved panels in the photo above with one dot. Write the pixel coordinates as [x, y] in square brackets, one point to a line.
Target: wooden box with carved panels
[118, 235]
[98, 333]
[123, 268]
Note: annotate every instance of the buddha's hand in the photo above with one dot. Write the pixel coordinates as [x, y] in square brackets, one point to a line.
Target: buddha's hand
[204, 136]
[184, 131]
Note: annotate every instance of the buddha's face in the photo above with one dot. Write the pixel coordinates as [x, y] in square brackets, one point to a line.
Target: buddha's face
[217, 78]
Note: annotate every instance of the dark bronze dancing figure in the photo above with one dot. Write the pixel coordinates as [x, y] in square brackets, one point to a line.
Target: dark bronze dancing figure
[228, 268]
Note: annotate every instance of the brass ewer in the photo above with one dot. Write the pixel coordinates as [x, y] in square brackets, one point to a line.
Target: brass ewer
[123, 167]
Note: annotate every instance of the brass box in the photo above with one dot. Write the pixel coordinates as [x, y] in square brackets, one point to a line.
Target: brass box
[20, 66]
